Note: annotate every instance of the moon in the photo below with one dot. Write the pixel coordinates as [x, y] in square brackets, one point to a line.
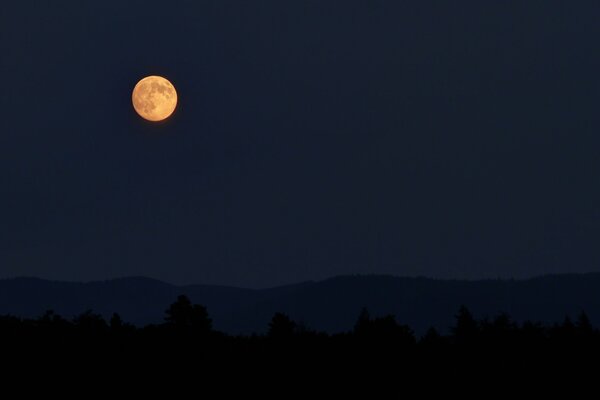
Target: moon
[154, 98]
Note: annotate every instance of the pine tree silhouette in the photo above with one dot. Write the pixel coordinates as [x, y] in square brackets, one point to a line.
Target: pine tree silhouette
[467, 328]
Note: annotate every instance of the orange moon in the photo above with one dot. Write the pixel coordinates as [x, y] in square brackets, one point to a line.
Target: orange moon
[154, 98]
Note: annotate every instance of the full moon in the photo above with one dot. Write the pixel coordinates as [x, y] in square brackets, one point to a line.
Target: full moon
[154, 98]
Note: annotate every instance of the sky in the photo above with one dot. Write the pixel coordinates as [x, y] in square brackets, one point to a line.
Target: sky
[312, 138]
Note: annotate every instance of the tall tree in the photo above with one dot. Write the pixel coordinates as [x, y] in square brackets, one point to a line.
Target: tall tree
[184, 315]
[466, 329]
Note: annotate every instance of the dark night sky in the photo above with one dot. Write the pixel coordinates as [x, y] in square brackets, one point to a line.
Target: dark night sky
[313, 138]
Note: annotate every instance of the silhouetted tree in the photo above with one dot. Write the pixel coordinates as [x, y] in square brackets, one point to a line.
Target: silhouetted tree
[563, 333]
[281, 327]
[466, 329]
[116, 322]
[184, 315]
[51, 320]
[385, 329]
[501, 331]
[90, 322]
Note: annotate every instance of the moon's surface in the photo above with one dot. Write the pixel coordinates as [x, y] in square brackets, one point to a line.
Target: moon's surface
[154, 98]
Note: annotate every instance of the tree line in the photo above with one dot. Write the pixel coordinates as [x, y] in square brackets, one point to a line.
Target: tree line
[191, 322]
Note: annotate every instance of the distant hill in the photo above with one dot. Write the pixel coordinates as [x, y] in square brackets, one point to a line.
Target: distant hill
[331, 305]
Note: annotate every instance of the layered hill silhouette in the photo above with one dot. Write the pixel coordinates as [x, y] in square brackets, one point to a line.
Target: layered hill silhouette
[331, 305]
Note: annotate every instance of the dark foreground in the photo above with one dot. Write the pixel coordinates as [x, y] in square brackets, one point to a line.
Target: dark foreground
[374, 342]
